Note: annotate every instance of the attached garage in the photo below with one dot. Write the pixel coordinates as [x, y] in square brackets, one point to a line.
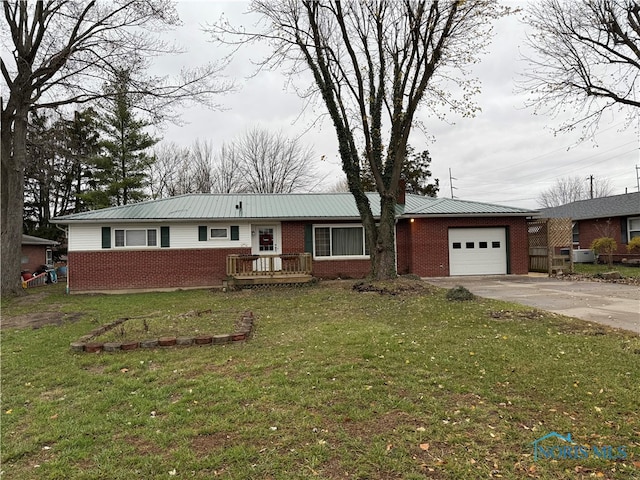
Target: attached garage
[478, 251]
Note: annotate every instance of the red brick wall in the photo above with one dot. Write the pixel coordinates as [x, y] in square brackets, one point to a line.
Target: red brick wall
[293, 237]
[592, 229]
[37, 256]
[430, 243]
[404, 247]
[148, 269]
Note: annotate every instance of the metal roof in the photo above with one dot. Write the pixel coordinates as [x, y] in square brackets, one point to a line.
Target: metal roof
[281, 206]
[31, 240]
[624, 205]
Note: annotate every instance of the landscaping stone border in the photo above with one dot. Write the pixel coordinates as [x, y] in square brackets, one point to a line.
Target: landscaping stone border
[87, 343]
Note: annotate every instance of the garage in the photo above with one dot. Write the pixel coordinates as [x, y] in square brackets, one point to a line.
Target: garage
[477, 251]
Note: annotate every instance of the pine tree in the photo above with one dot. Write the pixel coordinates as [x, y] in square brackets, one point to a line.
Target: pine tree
[120, 170]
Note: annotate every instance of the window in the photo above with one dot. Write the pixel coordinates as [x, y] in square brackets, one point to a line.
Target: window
[575, 232]
[469, 245]
[457, 245]
[136, 238]
[495, 244]
[218, 233]
[633, 227]
[482, 245]
[340, 241]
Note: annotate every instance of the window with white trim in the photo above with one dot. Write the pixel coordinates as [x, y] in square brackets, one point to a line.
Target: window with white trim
[219, 233]
[633, 227]
[136, 237]
[339, 241]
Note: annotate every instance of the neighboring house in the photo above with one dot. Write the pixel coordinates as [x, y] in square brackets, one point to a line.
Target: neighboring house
[36, 252]
[617, 217]
[184, 241]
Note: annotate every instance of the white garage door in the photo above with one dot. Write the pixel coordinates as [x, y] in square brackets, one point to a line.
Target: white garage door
[477, 251]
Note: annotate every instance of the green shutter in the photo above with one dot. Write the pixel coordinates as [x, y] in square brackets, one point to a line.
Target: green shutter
[202, 233]
[308, 238]
[235, 232]
[106, 237]
[164, 237]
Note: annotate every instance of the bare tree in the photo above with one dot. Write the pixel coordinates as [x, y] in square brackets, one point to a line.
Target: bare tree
[58, 54]
[341, 186]
[260, 161]
[373, 65]
[170, 174]
[202, 164]
[588, 59]
[572, 189]
[226, 177]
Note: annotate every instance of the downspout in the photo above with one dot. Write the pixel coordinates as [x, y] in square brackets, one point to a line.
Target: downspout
[66, 235]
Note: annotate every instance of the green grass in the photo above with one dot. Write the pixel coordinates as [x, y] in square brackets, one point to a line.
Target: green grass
[593, 269]
[333, 384]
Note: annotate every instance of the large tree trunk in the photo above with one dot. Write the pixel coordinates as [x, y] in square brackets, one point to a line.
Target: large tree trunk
[383, 256]
[13, 162]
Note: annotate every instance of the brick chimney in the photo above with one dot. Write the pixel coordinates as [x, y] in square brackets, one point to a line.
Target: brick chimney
[402, 190]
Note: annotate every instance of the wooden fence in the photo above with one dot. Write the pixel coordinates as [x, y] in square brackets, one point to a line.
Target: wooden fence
[547, 236]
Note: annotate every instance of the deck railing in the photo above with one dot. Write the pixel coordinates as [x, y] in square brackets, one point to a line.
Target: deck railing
[266, 265]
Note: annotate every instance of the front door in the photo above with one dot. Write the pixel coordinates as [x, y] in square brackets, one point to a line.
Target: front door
[266, 241]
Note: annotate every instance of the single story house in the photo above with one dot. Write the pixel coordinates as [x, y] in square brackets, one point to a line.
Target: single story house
[186, 241]
[617, 216]
[36, 252]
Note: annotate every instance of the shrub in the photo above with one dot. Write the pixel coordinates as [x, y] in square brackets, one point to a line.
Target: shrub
[459, 294]
[634, 244]
[605, 246]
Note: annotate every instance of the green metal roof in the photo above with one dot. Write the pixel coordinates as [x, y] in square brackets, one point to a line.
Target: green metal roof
[280, 206]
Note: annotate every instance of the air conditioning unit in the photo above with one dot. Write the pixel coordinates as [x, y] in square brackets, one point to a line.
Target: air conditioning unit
[583, 255]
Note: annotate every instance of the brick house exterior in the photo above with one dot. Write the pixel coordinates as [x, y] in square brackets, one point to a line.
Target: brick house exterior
[617, 217]
[183, 242]
[34, 252]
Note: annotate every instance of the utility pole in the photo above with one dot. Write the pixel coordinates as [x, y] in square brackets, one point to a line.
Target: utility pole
[451, 183]
[638, 177]
[591, 186]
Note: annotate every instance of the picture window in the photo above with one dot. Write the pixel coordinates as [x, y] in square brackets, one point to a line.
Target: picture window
[218, 233]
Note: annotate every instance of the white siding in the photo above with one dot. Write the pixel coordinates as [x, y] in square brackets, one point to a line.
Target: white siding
[181, 236]
[85, 237]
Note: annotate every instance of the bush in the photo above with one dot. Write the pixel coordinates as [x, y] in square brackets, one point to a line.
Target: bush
[605, 246]
[634, 244]
[459, 294]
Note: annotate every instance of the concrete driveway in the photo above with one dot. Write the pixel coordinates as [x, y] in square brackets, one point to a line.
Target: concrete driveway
[610, 304]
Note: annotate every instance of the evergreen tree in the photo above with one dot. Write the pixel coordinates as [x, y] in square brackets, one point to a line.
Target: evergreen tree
[82, 146]
[58, 150]
[119, 175]
[415, 173]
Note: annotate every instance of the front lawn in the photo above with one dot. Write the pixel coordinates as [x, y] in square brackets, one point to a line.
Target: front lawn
[333, 384]
[594, 269]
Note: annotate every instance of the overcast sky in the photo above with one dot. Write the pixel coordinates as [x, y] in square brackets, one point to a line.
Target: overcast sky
[505, 155]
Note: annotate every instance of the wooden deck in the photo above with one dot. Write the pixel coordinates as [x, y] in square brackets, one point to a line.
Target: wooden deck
[269, 269]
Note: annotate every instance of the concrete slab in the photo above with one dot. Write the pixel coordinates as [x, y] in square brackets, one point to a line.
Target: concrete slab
[611, 304]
